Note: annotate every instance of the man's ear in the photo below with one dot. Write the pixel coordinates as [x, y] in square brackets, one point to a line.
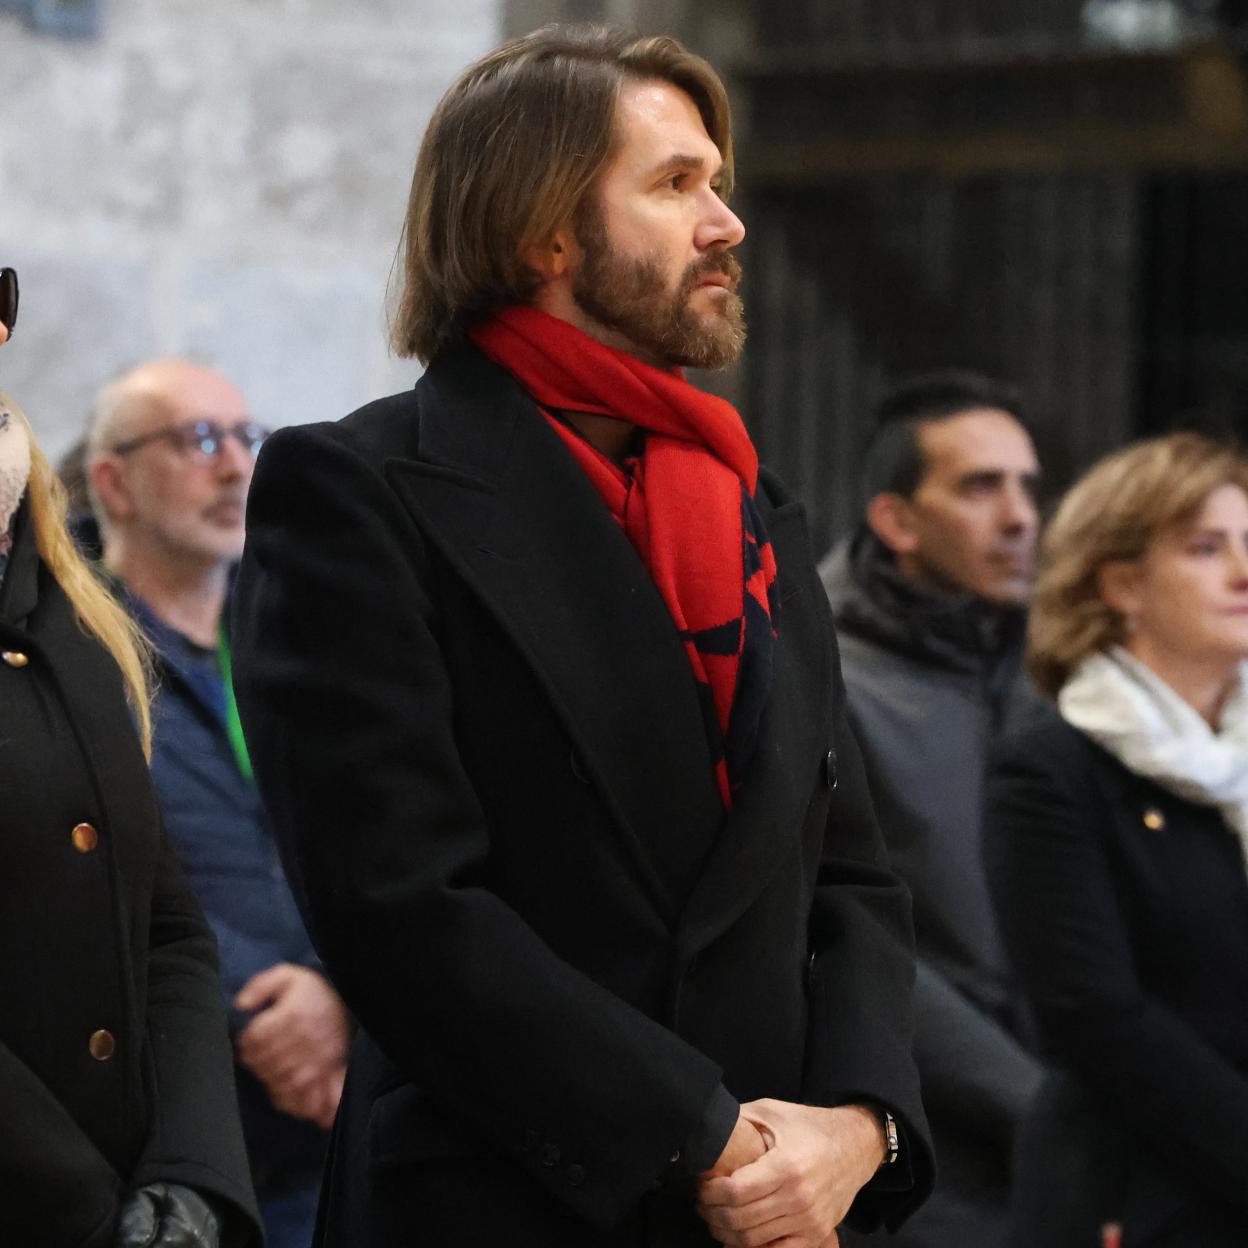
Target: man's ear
[892, 520]
[109, 485]
[553, 257]
[1119, 584]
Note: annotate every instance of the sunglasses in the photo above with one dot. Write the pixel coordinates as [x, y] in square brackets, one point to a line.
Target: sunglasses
[8, 298]
[201, 439]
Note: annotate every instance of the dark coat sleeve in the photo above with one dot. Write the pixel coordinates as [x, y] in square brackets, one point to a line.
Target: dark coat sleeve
[1065, 929]
[58, 1187]
[974, 1071]
[350, 718]
[976, 1075]
[195, 1137]
[861, 990]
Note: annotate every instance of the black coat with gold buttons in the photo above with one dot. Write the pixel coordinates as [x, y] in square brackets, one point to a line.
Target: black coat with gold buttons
[115, 1066]
[483, 747]
[1126, 911]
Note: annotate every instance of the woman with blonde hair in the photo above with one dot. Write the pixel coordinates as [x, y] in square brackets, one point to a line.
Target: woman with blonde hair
[117, 1118]
[1118, 853]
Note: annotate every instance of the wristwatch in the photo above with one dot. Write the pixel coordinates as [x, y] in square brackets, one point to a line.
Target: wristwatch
[892, 1141]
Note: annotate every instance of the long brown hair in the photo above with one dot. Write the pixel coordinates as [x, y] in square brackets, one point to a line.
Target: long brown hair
[97, 611]
[1114, 514]
[510, 154]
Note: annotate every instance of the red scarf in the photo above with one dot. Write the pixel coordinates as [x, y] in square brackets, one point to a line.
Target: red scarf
[686, 504]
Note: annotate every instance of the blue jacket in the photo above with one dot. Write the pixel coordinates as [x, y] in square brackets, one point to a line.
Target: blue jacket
[218, 825]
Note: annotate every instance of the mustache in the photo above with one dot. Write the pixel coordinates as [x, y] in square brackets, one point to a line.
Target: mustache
[723, 262]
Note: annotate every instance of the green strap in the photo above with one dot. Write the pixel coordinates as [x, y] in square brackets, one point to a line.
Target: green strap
[233, 724]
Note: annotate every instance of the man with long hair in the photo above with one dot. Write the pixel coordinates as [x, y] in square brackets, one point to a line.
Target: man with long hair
[539, 681]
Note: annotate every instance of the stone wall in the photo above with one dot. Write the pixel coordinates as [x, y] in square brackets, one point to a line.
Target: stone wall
[223, 181]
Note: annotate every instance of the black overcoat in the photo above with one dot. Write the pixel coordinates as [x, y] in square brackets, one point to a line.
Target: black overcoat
[100, 935]
[1126, 910]
[480, 740]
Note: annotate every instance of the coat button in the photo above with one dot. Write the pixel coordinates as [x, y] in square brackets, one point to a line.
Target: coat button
[550, 1155]
[102, 1045]
[85, 838]
[1154, 820]
[15, 658]
[576, 1175]
[829, 770]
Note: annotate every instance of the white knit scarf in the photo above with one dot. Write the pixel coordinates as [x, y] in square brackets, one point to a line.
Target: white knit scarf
[1129, 710]
[14, 463]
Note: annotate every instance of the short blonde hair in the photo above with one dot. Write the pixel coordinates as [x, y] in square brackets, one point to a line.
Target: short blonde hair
[511, 153]
[1114, 514]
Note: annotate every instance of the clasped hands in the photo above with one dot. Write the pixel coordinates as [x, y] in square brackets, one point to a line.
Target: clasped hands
[789, 1174]
[296, 1044]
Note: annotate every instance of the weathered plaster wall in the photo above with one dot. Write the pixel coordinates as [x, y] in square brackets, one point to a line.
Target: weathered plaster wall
[220, 180]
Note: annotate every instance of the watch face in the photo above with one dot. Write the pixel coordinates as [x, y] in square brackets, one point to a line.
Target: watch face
[8, 298]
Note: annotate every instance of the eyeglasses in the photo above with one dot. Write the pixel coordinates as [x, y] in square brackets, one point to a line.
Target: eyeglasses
[8, 298]
[202, 440]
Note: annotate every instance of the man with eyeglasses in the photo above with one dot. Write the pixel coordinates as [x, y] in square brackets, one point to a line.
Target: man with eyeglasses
[170, 453]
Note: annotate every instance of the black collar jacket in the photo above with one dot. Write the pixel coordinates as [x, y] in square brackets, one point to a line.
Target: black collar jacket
[481, 744]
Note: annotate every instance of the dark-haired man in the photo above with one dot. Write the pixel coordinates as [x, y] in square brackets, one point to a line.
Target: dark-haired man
[930, 600]
[538, 676]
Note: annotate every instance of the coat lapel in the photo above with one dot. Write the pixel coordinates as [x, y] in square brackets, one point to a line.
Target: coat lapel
[498, 494]
[494, 489]
[764, 827]
[19, 586]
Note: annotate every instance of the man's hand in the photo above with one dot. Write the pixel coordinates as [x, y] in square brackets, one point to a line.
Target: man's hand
[745, 1145]
[798, 1192]
[297, 1044]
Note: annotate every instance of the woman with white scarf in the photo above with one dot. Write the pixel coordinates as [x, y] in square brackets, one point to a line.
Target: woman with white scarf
[1118, 854]
[118, 1126]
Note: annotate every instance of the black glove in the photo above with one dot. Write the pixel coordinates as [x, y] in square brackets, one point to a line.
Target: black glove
[168, 1215]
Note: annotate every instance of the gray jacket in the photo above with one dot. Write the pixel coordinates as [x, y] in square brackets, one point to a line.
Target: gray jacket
[931, 680]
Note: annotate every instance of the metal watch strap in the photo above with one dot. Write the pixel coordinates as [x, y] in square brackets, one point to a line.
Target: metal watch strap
[892, 1142]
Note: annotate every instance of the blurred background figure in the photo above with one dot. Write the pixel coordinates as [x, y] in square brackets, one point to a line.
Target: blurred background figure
[117, 1124]
[169, 457]
[1118, 850]
[71, 468]
[930, 598]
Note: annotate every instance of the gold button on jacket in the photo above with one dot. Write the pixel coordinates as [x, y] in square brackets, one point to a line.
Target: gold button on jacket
[102, 1045]
[14, 658]
[85, 838]
[1154, 820]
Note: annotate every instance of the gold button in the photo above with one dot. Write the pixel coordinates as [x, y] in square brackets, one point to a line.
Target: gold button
[102, 1045]
[85, 838]
[1154, 820]
[14, 658]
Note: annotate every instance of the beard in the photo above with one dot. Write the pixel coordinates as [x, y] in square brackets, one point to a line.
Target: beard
[631, 297]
